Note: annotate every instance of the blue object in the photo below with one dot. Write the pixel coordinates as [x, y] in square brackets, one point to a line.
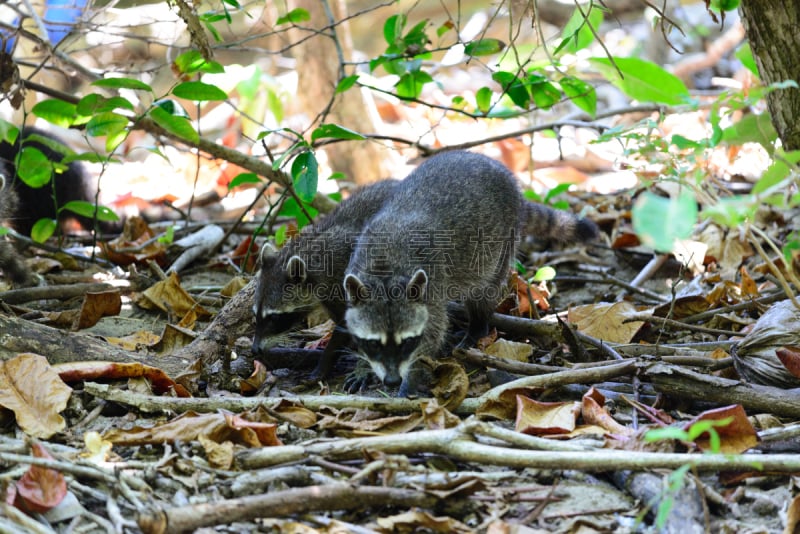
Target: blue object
[59, 17]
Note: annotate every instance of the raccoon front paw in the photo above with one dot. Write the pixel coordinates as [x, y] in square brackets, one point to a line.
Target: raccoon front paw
[359, 378]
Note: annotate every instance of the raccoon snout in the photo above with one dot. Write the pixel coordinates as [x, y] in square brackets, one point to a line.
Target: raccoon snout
[392, 380]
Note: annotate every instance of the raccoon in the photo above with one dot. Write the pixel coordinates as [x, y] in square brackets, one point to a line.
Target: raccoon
[10, 263]
[449, 233]
[307, 272]
[71, 183]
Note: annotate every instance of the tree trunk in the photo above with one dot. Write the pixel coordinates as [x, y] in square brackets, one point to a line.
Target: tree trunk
[318, 71]
[772, 28]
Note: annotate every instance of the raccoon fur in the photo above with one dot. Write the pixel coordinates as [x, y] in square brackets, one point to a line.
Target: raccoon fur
[10, 263]
[72, 183]
[448, 233]
[307, 272]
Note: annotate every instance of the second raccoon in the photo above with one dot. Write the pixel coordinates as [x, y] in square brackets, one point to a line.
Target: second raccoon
[448, 234]
[308, 271]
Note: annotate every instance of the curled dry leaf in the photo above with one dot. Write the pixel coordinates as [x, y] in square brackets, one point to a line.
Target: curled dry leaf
[170, 297]
[96, 306]
[31, 389]
[452, 383]
[135, 244]
[594, 412]
[216, 426]
[159, 380]
[735, 437]
[40, 488]
[542, 418]
[755, 356]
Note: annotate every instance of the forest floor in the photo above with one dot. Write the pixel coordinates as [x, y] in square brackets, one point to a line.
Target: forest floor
[542, 428]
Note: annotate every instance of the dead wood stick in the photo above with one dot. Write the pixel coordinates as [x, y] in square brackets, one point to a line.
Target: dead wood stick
[18, 335]
[459, 444]
[688, 384]
[61, 292]
[281, 504]
[233, 321]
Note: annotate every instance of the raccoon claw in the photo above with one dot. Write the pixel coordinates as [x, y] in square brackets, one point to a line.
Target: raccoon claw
[358, 379]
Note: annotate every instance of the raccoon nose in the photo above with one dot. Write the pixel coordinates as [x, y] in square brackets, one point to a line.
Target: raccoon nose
[392, 380]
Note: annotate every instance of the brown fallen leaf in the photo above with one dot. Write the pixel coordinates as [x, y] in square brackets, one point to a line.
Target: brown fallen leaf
[170, 297]
[252, 429]
[97, 305]
[40, 488]
[542, 418]
[159, 380]
[604, 321]
[31, 389]
[593, 412]
[735, 437]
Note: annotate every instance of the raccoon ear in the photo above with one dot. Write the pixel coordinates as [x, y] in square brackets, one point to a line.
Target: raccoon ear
[415, 290]
[268, 249]
[296, 269]
[354, 288]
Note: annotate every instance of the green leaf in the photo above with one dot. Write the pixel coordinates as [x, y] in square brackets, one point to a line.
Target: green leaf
[43, 229]
[557, 190]
[483, 99]
[8, 132]
[174, 124]
[172, 107]
[643, 80]
[544, 273]
[577, 32]
[244, 178]
[581, 93]
[198, 91]
[336, 132]
[280, 234]
[393, 28]
[732, 211]
[545, 95]
[291, 209]
[97, 103]
[444, 28]
[33, 167]
[305, 176]
[781, 169]
[513, 87]
[684, 143]
[346, 83]
[659, 221]
[123, 83]
[484, 47]
[56, 112]
[752, 129]
[411, 83]
[168, 237]
[745, 55]
[87, 209]
[193, 61]
[294, 16]
[106, 123]
[724, 5]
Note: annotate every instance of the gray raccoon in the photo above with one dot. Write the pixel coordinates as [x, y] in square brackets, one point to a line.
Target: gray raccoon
[307, 272]
[10, 263]
[448, 234]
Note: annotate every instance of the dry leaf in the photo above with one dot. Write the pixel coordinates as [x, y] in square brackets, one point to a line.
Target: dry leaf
[510, 350]
[159, 380]
[604, 321]
[40, 488]
[169, 296]
[594, 413]
[219, 455]
[418, 521]
[190, 425]
[735, 437]
[97, 305]
[452, 383]
[540, 418]
[130, 246]
[31, 389]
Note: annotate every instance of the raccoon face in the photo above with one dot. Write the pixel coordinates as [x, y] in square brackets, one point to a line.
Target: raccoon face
[388, 323]
[282, 297]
